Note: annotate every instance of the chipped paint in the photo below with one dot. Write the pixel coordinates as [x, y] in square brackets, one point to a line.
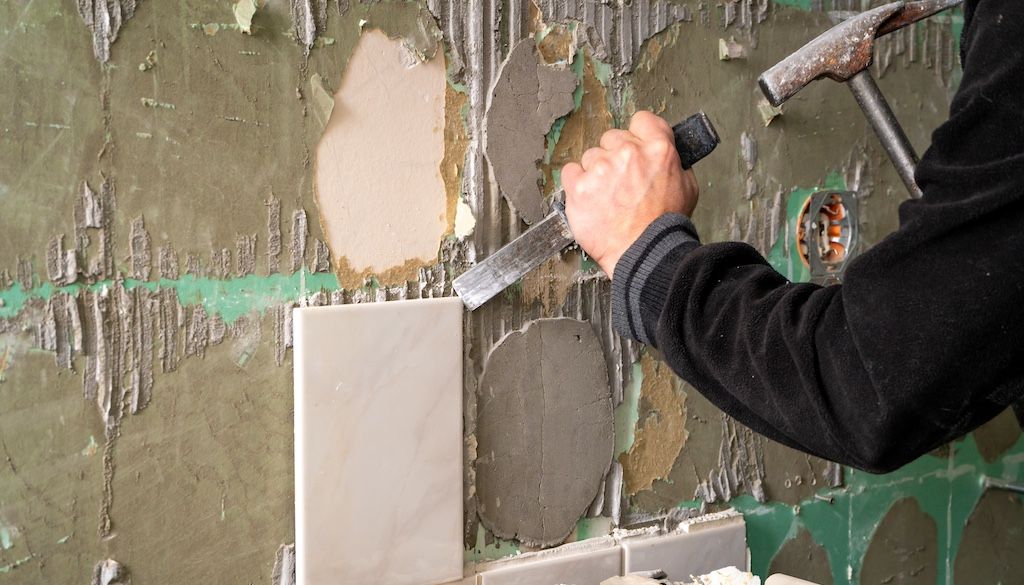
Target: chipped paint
[7, 536]
[661, 431]
[459, 216]
[323, 99]
[91, 448]
[244, 11]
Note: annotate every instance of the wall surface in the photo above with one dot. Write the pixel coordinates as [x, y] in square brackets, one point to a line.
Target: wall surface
[176, 176]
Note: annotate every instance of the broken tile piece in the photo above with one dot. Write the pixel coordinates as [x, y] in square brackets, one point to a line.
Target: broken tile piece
[378, 442]
[544, 411]
[526, 99]
[707, 547]
[379, 188]
[581, 568]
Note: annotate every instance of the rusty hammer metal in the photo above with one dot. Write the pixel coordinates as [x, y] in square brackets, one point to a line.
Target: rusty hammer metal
[844, 53]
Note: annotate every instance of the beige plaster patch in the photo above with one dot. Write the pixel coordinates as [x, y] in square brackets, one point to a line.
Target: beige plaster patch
[378, 179]
[661, 434]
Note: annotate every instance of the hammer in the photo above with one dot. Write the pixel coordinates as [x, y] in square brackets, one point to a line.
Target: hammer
[844, 53]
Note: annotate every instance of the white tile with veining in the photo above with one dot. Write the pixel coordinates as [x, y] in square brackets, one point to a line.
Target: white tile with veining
[378, 443]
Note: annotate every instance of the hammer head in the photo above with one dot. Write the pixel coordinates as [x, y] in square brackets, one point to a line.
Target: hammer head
[839, 53]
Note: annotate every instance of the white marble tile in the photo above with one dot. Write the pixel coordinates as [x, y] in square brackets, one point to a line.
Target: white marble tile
[704, 549]
[581, 568]
[378, 443]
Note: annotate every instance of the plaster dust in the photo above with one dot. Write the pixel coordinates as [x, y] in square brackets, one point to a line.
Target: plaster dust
[379, 188]
[525, 100]
[661, 431]
[544, 431]
[903, 548]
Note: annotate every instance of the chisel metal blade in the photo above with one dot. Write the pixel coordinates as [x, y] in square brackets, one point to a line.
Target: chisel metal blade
[513, 261]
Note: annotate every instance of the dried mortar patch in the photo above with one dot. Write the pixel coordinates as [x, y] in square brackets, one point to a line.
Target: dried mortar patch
[544, 431]
[378, 178]
[526, 99]
[903, 547]
[804, 557]
[583, 128]
[992, 541]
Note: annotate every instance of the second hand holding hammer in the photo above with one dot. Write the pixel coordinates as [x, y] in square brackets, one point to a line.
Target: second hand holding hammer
[844, 53]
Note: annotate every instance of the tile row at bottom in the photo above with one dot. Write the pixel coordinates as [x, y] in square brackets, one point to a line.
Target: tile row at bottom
[681, 555]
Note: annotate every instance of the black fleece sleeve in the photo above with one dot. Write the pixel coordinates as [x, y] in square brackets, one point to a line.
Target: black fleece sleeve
[923, 341]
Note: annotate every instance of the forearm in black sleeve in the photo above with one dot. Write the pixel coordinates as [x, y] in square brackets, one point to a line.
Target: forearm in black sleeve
[922, 341]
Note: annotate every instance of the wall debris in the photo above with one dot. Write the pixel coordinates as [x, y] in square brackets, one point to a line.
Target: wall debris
[273, 234]
[300, 233]
[284, 566]
[245, 254]
[139, 247]
[309, 18]
[740, 466]
[104, 18]
[618, 30]
[110, 572]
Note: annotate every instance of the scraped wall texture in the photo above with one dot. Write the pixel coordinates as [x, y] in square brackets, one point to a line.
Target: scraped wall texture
[175, 177]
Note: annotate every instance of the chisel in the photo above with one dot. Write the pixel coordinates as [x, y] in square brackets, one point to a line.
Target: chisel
[695, 138]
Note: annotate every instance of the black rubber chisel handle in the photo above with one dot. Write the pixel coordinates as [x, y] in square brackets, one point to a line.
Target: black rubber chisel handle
[695, 139]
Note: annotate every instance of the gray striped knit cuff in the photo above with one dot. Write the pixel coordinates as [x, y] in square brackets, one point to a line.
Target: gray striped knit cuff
[646, 270]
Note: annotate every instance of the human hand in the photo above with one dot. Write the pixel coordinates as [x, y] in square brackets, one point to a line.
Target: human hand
[619, 188]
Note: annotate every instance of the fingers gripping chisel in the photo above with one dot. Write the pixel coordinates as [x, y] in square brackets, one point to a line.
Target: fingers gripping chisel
[695, 138]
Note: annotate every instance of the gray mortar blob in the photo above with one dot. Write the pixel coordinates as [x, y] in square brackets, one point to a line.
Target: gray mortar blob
[544, 431]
